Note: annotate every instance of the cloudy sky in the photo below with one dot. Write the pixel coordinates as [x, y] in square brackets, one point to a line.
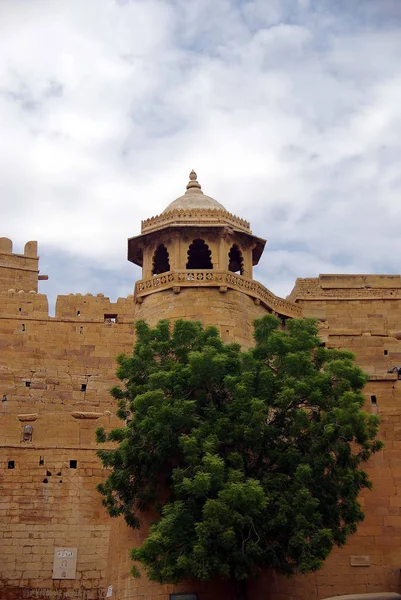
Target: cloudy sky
[289, 110]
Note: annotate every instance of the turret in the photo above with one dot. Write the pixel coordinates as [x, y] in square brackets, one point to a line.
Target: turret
[195, 242]
[195, 232]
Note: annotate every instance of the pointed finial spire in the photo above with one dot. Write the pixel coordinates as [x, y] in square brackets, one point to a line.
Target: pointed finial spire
[193, 183]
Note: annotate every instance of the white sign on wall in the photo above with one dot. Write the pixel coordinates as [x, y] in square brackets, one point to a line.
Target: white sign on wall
[64, 563]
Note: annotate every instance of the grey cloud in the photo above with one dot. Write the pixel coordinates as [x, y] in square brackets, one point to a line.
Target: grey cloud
[289, 111]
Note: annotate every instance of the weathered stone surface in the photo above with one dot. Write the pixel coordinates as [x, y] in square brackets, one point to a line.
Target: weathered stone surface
[56, 373]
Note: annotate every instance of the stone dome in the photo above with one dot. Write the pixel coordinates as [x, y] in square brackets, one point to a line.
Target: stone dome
[194, 198]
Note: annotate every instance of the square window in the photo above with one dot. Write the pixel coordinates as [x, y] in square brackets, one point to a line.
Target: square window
[73, 464]
[110, 319]
[83, 387]
[11, 464]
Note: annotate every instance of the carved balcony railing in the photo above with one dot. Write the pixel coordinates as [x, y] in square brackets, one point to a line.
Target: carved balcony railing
[221, 279]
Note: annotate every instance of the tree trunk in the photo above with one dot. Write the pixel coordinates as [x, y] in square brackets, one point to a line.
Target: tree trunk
[241, 589]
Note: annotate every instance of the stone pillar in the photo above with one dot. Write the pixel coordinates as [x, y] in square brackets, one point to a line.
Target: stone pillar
[175, 254]
[147, 261]
[247, 256]
[223, 250]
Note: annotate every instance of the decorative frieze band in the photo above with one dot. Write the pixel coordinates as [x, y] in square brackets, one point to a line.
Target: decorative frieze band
[211, 278]
[195, 216]
[348, 294]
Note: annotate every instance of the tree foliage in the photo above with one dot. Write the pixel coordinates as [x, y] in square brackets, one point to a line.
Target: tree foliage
[247, 460]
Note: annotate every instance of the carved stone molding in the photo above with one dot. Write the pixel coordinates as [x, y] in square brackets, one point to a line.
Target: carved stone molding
[30, 417]
[86, 415]
[198, 216]
[219, 279]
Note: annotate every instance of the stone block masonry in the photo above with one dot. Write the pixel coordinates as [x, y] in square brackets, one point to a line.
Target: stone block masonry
[56, 372]
[55, 377]
[19, 270]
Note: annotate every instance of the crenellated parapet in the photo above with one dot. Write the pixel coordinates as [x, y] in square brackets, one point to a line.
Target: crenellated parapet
[30, 249]
[23, 305]
[194, 216]
[98, 308]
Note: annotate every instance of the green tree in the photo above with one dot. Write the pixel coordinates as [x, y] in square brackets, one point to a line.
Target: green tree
[249, 460]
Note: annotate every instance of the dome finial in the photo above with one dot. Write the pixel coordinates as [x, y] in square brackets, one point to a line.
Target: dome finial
[193, 183]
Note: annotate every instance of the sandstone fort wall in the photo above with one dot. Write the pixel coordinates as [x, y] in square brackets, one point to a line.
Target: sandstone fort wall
[363, 315]
[55, 376]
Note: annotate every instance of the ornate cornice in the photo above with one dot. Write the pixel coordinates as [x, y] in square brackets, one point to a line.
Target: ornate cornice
[221, 279]
[193, 217]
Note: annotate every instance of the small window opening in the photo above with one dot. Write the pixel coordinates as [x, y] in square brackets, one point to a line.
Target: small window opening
[109, 319]
[235, 260]
[27, 433]
[78, 313]
[23, 328]
[81, 330]
[83, 387]
[199, 255]
[373, 400]
[27, 384]
[48, 473]
[41, 460]
[385, 352]
[11, 464]
[4, 398]
[73, 464]
[45, 480]
[161, 260]
[20, 309]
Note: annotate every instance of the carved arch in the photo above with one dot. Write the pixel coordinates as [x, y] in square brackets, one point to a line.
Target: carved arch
[235, 260]
[199, 255]
[161, 260]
